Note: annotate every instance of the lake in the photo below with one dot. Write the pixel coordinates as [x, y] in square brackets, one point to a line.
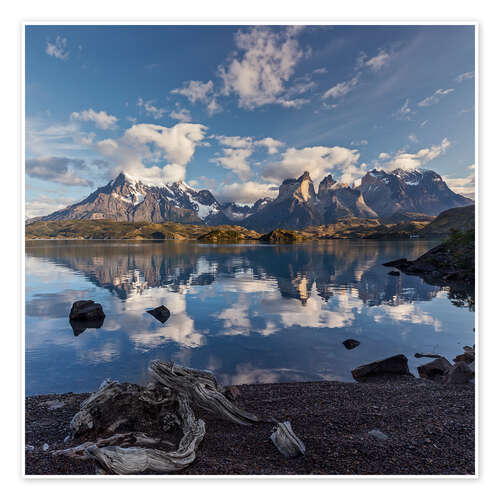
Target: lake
[251, 313]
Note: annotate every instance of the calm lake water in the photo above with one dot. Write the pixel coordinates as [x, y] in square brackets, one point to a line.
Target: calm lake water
[250, 313]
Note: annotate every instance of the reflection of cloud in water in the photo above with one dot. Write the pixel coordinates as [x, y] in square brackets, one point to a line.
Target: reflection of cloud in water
[406, 313]
[147, 333]
[246, 373]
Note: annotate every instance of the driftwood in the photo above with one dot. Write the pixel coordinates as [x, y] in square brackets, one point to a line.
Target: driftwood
[136, 460]
[162, 406]
[287, 441]
[201, 388]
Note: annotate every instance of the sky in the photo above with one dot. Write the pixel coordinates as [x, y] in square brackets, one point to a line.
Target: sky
[238, 109]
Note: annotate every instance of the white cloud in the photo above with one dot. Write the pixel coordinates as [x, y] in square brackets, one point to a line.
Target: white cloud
[435, 98]
[271, 144]
[245, 192]
[58, 48]
[463, 185]
[404, 112]
[174, 147]
[183, 115]
[320, 71]
[377, 62]
[150, 108]
[384, 156]
[413, 138]
[58, 169]
[101, 119]
[318, 161]
[411, 161]
[43, 205]
[236, 161]
[361, 142]
[235, 141]
[195, 91]
[267, 62]
[341, 89]
[464, 76]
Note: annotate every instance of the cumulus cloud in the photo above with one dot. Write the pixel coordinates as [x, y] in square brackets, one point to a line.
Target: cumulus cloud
[266, 61]
[246, 192]
[341, 89]
[196, 90]
[183, 115]
[464, 76]
[101, 119]
[435, 98]
[143, 144]
[238, 150]
[318, 161]
[58, 48]
[43, 205]
[271, 144]
[150, 108]
[411, 161]
[236, 161]
[413, 138]
[465, 186]
[57, 169]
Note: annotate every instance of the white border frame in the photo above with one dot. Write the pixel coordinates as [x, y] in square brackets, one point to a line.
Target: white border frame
[21, 241]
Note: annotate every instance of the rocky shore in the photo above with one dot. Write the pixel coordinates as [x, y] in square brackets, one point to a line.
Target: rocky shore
[399, 425]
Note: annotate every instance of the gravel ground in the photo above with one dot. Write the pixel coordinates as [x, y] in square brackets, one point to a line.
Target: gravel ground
[429, 429]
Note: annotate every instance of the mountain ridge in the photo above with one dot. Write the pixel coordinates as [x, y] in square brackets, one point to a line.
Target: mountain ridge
[297, 205]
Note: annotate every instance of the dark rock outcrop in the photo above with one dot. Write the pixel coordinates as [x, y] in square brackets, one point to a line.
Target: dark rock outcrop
[435, 370]
[393, 366]
[351, 343]
[86, 310]
[161, 313]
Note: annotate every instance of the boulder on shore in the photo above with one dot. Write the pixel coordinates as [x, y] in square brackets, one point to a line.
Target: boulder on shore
[395, 365]
[460, 373]
[86, 310]
[161, 313]
[351, 343]
[434, 370]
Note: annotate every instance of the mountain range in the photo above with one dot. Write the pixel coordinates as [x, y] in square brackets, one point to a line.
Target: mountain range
[379, 194]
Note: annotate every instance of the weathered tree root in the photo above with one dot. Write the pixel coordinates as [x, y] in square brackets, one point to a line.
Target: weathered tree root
[169, 399]
[201, 388]
[136, 460]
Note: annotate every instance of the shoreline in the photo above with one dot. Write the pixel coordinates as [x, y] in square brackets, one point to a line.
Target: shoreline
[429, 429]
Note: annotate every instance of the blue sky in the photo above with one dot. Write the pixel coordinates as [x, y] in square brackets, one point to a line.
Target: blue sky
[237, 109]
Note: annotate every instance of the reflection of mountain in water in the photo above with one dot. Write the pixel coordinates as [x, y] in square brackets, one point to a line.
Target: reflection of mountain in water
[129, 268]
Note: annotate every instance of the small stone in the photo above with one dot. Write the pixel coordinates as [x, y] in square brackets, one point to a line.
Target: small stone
[66, 439]
[351, 343]
[376, 433]
[45, 447]
[29, 447]
[161, 313]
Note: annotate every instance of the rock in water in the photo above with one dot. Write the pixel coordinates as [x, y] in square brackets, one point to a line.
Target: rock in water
[459, 373]
[287, 441]
[86, 310]
[161, 313]
[394, 273]
[351, 343]
[434, 370]
[395, 365]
